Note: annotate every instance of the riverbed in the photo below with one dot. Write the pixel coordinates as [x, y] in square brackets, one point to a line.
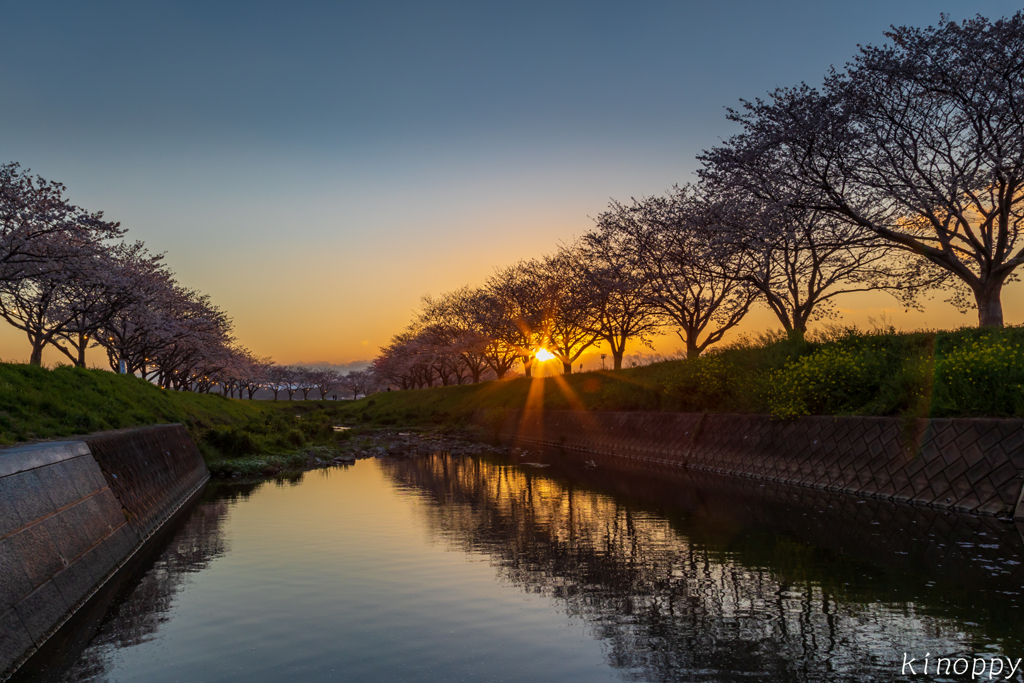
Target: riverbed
[544, 566]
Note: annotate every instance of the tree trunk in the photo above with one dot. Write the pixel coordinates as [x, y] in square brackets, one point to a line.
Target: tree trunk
[617, 359]
[566, 368]
[990, 305]
[691, 349]
[37, 354]
[83, 341]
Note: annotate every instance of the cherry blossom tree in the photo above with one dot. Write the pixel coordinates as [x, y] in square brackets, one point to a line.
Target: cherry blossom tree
[136, 332]
[800, 260]
[279, 378]
[112, 283]
[489, 320]
[513, 312]
[671, 238]
[67, 296]
[568, 323]
[325, 379]
[57, 276]
[34, 217]
[357, 382]
[919, 142]
[194, 336]
[622, 293]
[392, 367]
[255, 372]
[454, 323]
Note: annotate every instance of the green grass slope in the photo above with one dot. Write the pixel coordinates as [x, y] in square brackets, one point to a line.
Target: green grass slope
[251, 437]
[36, 403]
[960, 373]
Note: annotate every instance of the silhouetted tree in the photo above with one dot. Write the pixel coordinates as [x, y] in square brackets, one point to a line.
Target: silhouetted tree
[919, 142]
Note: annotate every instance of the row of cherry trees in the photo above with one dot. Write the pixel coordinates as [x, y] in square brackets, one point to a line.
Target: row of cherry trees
[70, 282]
[294, 380]
[565, 302]
[902, 173]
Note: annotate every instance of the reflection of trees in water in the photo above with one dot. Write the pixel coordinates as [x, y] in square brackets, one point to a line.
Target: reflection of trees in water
[137, 619]
[234, 491]
[665, 606]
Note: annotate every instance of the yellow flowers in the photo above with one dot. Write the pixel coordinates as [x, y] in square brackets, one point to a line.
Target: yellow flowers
[824, 382]
[982, 377]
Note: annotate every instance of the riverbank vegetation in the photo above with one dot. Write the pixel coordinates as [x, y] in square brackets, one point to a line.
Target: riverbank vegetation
[962, 373]
[975, 372]
[37, 403]
[250, 437]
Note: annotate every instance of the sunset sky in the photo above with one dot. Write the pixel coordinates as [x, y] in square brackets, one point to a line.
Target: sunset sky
[316, 167]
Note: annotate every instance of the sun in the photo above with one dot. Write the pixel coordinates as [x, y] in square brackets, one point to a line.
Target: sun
[543, 355]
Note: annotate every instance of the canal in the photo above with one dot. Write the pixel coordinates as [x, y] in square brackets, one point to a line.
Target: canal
[543, 567]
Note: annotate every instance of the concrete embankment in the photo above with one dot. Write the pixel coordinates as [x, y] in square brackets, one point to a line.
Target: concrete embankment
[72, 513]
[970, 464]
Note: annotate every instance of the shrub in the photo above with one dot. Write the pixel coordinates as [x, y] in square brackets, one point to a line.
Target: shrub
[833, 380]
[703, 383]
[233, 442]
[983, 376]
[295, 438]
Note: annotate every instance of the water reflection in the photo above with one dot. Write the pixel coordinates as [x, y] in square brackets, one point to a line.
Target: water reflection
[678, 576]
[693, 577]
[132, 609]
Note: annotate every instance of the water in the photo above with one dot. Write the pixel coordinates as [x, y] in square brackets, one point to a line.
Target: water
[450, 568]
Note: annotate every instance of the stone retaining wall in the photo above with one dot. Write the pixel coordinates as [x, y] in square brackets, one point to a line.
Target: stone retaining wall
[973, 465]
[72, 513]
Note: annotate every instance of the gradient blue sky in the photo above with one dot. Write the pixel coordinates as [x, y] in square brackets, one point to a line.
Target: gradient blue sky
[317, 167]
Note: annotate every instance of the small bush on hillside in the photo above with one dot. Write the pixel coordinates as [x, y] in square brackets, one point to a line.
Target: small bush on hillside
[293, 437]
[832, 380]
[233, 442]
[983, 376]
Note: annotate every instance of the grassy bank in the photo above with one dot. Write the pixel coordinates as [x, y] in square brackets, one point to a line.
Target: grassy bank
[36, 403]
[249, 437]
[961, 373]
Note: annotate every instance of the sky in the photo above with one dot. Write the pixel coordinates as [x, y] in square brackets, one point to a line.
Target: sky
[317, 167]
